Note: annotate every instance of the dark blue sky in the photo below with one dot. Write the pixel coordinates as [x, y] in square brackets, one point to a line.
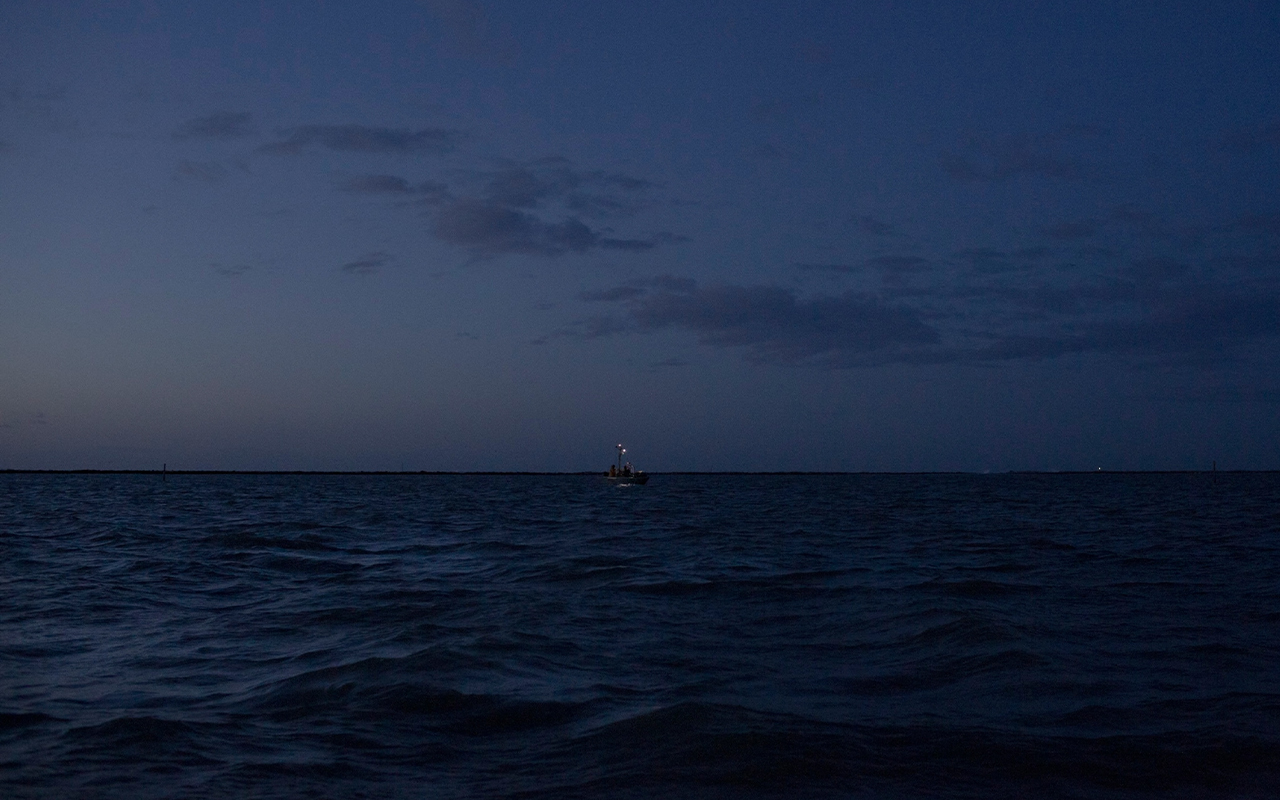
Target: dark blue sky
[504, 235]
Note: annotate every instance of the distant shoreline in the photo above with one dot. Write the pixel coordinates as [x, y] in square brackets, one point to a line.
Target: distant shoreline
[602, 472]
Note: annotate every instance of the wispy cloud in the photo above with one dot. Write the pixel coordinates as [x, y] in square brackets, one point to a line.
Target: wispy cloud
[872, 226]
[492, 229]
[376, 184]
[590, 193]
[1184, 234]
[613, 295]
[1230, 394]
[220, 125]
[1003, 159]
[364, 139]
[770, 323]
[205, 171]
[1260, 223]
[898, 264]
[1252, 138]
[469, 32]
[980, 305]
[546, 207]
[425, 192]
[230, 270]
[368, 264]
[839, 269]
[539, 208]
[1066, 231]
[897, 270]
[1179, 322]
[39, 106]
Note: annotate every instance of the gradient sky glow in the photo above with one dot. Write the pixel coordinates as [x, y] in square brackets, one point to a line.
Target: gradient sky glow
[767, 236]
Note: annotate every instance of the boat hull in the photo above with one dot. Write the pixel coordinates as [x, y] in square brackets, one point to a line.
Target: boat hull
[639, 478]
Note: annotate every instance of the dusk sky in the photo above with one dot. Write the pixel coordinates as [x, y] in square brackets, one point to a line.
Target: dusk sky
[455, 235]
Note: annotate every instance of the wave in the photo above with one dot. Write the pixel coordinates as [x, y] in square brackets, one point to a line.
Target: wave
[12, 721]
[394, 689]
[247, 540]
[976, 588]
[938, 673]
[700, 746]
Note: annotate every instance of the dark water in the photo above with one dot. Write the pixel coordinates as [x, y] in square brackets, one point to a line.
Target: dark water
[702, 636]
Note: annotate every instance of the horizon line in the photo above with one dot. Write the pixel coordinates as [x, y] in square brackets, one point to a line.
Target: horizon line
[165, 472]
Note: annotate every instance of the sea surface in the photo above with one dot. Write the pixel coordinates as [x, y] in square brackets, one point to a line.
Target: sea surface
[721, 636]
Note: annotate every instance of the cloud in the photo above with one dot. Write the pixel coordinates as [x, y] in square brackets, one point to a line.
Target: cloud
[1260, 223]
[363, 139]
[222, 125]
[1186, 235]
[425, 193]
[1156, 270]
[25, 97]
[522, 188]
[770, 322]
[842, 269]
[898, 263]
[1253, 138]
[591, 193]
[1148, 308]
[769, 109]
[1065, 231]
[627, 245]
[492, 229]
[534, 208]
[872, 226]
[469, 32]
[538, 209]
[989, 261]
[1230, 394]
[230, 270]
[206, 171]
[368, 264]
[375, 184]
[612, 295]
[1206, 320]
[464, 18]
[39, 106]
[994, 161]
[898, 270]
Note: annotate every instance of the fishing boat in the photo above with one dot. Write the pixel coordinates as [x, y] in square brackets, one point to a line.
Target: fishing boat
[624, 473]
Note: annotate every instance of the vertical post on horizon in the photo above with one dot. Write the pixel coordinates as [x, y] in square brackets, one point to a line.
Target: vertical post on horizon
[164, 472]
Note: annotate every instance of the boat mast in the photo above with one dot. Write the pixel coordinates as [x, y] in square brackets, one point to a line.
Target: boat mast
[620, 452]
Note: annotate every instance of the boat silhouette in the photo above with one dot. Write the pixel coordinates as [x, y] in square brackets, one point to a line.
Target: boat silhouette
[624, 473]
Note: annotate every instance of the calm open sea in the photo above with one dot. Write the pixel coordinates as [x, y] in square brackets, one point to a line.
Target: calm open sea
[1092, 636]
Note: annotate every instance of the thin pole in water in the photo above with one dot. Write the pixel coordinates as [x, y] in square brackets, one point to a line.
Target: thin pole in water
[164, 472]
